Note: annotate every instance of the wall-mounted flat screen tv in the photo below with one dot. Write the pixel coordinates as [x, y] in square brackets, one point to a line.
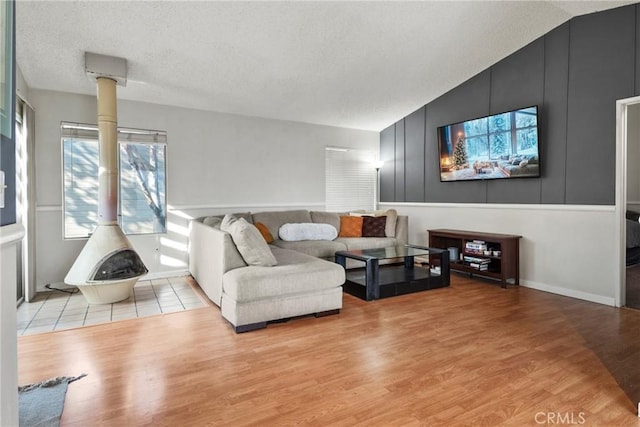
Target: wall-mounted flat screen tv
[503, 145]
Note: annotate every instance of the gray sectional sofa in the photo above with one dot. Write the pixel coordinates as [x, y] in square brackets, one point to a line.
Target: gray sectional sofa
[304, 279]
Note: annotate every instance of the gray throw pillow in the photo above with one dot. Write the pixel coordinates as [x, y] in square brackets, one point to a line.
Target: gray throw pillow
[246, 215]
[392, 219]
[249, 241]
[212, 221]
[332, 218]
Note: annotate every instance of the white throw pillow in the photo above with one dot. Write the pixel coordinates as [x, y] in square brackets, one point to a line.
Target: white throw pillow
[293, 232]
[249, 241]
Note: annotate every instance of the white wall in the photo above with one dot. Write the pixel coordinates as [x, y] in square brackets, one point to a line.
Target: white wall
[216, 163]
[567, 250]
[10, 236]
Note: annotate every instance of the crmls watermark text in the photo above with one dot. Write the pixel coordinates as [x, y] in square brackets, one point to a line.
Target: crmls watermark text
[570, 418]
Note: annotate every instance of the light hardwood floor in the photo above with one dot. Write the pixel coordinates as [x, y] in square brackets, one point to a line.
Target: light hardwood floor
[470, 354]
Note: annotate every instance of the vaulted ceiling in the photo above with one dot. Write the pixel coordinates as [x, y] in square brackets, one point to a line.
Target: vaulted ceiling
[360, 65]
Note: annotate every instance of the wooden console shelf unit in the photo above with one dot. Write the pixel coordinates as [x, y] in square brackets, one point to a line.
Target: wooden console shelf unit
[504, 266]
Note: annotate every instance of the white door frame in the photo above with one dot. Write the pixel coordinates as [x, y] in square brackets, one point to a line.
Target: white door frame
[28, 194]
[620, 279]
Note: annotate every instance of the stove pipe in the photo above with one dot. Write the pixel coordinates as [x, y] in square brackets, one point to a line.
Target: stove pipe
[108, 144]
[107, 268]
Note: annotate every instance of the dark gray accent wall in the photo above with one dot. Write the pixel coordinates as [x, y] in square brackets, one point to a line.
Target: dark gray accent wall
[601, 70]
[388, 171]
[471, 99]
[516, 82]
[399, 160]
[8, 214]
[8, 165]
[553, 116]
[636, 89]
[574, 74]
[414, 155]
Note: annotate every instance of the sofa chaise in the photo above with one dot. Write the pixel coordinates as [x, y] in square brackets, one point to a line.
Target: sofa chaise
[303, 279]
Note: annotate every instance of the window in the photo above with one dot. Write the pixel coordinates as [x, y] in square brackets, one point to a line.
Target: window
[502, 135]
[350, 179]
[142, 185]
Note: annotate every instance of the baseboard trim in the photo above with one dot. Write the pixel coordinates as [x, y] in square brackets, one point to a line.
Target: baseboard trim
[599, 299]
[148, 276]
[165, 274]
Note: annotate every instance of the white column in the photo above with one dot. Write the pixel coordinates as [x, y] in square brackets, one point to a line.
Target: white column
[10, 236]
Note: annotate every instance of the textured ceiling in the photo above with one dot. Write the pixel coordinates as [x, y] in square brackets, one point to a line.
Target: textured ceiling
[360, 65]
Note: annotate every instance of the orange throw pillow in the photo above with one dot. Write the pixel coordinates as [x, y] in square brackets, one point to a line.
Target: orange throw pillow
[268, 237]
[350, 226]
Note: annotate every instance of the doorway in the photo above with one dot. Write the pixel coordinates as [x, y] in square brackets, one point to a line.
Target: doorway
[627, 293]
[25, 199]
[632, 209]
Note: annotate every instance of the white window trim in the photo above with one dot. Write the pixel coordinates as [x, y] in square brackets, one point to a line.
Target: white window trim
[90, 132]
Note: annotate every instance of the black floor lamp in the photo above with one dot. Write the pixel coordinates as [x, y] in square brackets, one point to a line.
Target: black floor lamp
[376, 194]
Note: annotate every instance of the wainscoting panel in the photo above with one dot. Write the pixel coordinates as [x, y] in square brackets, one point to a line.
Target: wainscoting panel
[415, 160]
[399, 160]
[516, 82]
[553, 132]
[467, 101]
[388, 170]
[601, 71]
[553, 256]
[637, 56]
[575, 73]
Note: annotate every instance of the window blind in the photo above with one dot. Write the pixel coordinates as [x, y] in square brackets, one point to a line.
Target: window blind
[350, 179]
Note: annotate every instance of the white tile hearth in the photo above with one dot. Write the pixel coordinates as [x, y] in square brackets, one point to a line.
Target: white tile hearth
[56, 310]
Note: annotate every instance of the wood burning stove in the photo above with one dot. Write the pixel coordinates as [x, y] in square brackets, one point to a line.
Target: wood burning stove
[108, 267]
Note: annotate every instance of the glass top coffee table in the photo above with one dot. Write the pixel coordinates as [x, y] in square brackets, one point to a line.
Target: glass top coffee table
[375, 281]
